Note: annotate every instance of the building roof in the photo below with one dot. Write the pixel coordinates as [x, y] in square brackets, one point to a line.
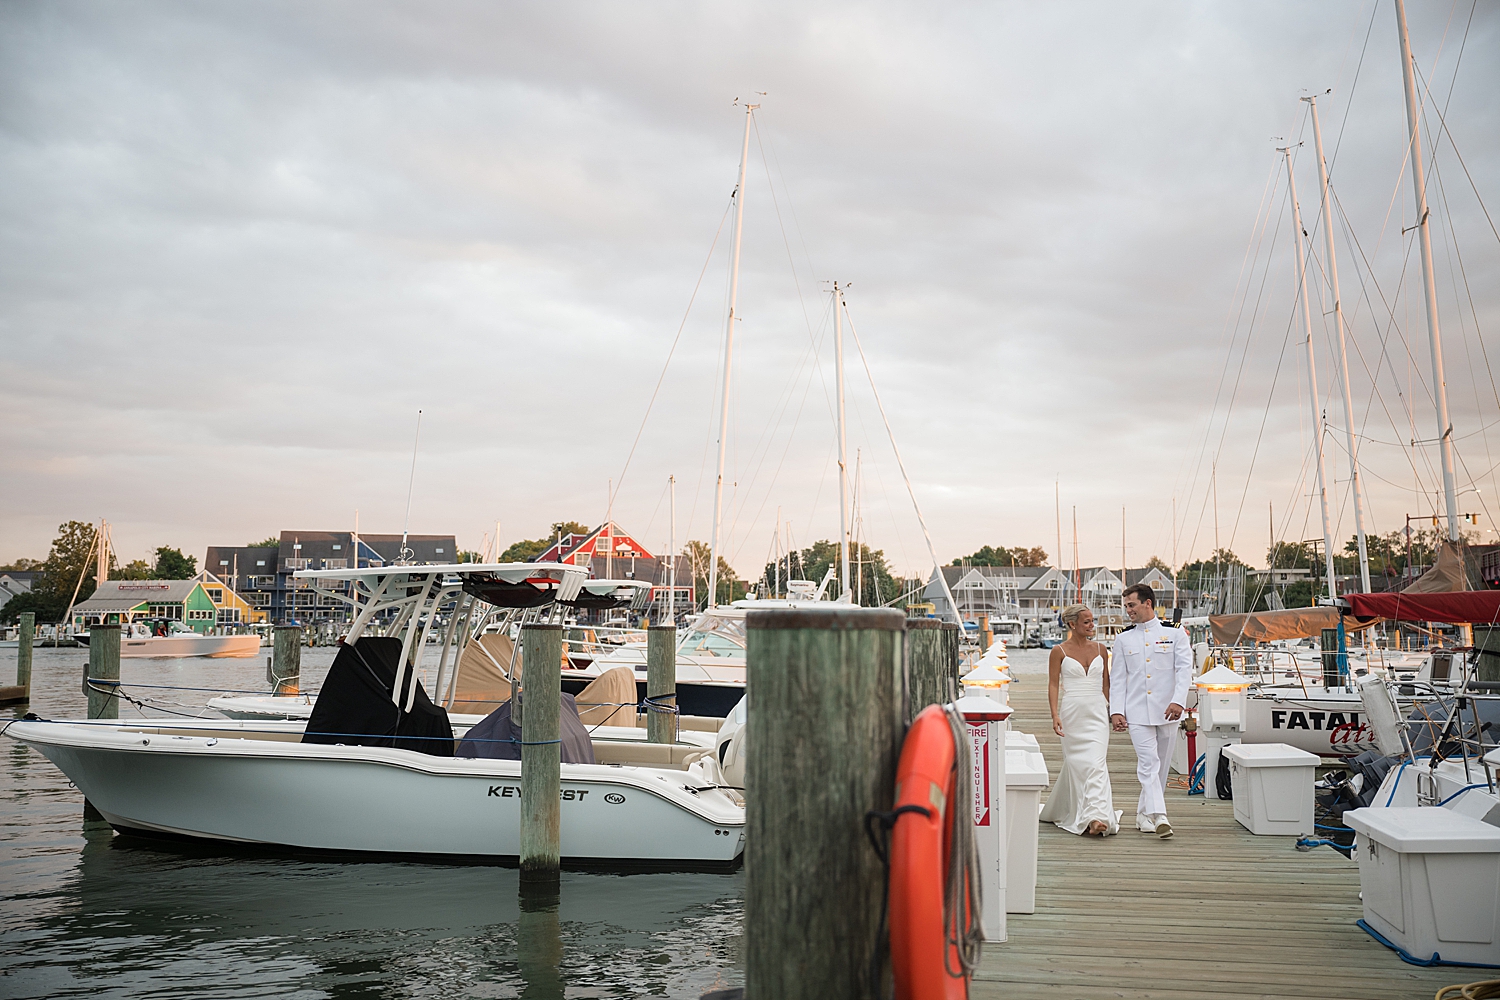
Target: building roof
[122, 595]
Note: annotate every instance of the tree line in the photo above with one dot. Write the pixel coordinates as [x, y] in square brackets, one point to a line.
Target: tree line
[70, 560]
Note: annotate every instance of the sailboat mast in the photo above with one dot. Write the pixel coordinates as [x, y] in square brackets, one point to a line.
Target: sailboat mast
[838, 355]
[1338, 323]
[1424, 240]
[1312, 372]
[734, 291]
[672, 550]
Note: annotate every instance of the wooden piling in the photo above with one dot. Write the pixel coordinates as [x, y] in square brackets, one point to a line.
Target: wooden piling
[27, 629]
[661, 684]
[825, 685]
[952, 642]
[285, 672]
[21, 691]
[541, 754]
[103, 669]
[931, 678]
[986, 634]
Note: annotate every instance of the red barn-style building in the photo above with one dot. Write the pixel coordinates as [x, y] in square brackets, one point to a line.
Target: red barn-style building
[630, 560]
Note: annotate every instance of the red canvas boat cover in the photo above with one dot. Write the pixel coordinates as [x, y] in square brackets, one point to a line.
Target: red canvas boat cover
[1474, 606]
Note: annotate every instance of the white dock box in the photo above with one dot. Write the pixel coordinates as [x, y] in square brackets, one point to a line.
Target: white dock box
[1430, 878]
[1273, 788]
[1025, 777]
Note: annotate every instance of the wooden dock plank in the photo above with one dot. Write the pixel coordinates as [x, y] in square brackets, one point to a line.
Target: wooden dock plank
[1214, 912]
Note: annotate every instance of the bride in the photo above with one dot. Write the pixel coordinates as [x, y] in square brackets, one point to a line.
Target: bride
[1078, 690]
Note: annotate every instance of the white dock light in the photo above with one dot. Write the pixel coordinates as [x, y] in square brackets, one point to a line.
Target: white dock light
[1221, 700]
[988, 681]
[1221, 714]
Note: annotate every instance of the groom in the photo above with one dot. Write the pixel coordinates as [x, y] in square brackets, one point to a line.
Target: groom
[1148, 684]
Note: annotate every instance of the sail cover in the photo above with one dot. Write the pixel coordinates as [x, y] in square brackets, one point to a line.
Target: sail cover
[1292, 623]
[1475, 606]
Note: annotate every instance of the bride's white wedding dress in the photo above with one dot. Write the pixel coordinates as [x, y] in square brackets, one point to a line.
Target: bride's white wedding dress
[1082, 793]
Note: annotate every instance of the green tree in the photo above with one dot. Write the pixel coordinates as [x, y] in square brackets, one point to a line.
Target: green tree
[730, 587]
[70, 560]
[468, 556]
[136, 569]
[171, 564]
[999, 555]
[1158, 563]
[1204, 574]
[21, 566]
[273, 542]
[528, 549]
[874, 586]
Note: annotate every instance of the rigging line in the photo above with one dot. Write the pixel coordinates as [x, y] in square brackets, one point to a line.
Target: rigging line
[786, 396]
[1275, 377]
[1192, 484]
[1252, 243]
[1461, 162]
[1401, 444]
[899, 463]
[1393, 324]
[1451, 248]
[786, 242]
[620, 481]
[1339, 141]
[796, 420]
[1291, 319]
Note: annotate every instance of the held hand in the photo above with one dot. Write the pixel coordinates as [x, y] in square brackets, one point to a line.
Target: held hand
[1174, 712]
[1057, 727]
[1118, 721]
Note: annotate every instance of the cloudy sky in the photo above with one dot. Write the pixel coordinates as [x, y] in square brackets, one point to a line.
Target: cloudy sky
[242, 244]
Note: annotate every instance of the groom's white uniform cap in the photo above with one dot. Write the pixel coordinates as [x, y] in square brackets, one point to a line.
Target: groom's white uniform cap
[1152, 668]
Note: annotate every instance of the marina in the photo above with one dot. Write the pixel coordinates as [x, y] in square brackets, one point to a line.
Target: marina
[914, 584]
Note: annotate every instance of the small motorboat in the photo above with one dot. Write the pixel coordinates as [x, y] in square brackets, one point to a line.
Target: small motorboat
[161, 638]
[290, 785]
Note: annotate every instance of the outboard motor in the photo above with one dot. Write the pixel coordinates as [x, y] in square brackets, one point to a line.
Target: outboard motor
[729, 746]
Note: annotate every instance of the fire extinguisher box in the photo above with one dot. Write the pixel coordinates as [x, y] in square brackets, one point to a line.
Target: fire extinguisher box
[1025, 777]
[1430, 880]
[1273, 788]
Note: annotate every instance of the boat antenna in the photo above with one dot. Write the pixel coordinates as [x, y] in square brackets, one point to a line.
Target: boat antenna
[406, 553]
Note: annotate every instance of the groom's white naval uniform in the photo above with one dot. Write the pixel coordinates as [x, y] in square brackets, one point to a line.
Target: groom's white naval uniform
[1152, 668]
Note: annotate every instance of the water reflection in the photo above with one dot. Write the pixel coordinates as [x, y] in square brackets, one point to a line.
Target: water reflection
[87, 913]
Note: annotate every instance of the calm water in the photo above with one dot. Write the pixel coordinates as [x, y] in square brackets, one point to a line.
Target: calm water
[87, 913]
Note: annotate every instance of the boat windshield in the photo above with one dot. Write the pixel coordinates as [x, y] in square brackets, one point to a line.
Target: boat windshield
[712, 635]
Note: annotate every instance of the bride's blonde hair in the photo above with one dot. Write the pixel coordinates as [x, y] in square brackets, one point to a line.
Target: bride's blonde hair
[1070, 614]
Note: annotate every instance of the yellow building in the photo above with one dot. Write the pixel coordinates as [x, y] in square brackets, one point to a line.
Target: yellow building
[231, 608]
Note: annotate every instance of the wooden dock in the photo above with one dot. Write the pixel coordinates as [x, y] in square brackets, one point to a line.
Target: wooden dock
[1212, 913]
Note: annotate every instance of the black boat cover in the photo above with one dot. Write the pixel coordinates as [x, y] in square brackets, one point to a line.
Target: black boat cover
[355, 708]
[497, 739]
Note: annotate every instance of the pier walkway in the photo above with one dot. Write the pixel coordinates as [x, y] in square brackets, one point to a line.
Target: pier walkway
[1212, 913]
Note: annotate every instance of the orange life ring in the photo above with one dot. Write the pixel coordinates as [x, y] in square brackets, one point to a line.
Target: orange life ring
[925, 778]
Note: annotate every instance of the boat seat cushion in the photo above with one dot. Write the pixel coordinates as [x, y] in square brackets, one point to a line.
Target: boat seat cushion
[355, 706]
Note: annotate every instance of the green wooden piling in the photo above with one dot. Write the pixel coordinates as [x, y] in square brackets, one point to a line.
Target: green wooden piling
[931, 674]
[824, 732]
[541, 754]
[103, 668]
[27, 623]
[285, 672]
[661, 684]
